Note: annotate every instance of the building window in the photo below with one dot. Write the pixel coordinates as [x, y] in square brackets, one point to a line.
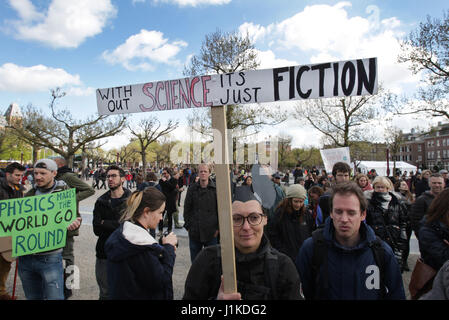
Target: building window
[419, 148]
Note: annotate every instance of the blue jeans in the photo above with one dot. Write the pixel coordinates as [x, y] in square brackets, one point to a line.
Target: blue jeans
[42, 276]
[197, 246]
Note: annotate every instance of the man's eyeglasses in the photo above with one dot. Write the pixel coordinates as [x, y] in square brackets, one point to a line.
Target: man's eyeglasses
[113, 176]
[253, 219]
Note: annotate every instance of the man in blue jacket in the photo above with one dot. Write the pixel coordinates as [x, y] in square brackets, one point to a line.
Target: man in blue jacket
[349, 269]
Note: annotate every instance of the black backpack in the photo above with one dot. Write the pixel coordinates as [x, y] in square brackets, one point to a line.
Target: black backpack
[319, 258]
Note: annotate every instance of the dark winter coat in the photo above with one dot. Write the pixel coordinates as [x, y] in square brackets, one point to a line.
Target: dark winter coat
[419, 209]
[83, 190]
[170, 190]
[287, 233]
[434, 251]
[350, 270]
[389, 224]
[107, 213]
[255, 280]
[201, 212]
[138, 267]
[421, 187]
[6, 192]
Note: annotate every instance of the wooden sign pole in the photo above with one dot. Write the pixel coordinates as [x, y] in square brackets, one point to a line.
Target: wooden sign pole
[224, 202]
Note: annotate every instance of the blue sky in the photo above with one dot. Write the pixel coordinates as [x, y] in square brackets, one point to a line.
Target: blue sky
[83, 45]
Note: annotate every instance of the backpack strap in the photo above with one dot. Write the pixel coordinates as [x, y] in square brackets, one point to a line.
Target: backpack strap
[319, 258]
[379, 257]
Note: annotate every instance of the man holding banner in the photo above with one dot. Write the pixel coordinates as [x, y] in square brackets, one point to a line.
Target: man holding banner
[42, 273]
[10, 188]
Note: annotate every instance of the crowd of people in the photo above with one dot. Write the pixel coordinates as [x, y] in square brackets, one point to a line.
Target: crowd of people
[315, 236]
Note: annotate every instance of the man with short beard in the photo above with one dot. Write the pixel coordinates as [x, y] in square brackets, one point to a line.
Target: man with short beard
[42, 273]
[107, 212]
[10, 188]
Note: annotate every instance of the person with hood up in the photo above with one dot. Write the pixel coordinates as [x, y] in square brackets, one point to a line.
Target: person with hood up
[387, 215]
[138, 266]
[292, 222]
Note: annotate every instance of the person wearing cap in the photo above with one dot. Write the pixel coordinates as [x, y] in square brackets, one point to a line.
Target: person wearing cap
[262, 272]
[292, 222]
[42, 273]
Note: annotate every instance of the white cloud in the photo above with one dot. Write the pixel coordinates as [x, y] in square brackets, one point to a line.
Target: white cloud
[14, 78]
[80, 91]
[268, 60]
[328, 33]
[143, 50]
[65, 24]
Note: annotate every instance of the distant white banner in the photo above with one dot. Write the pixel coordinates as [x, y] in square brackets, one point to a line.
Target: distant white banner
[332, 156]
[323, 80]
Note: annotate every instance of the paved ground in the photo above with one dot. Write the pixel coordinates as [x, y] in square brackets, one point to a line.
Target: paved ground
[85, 258]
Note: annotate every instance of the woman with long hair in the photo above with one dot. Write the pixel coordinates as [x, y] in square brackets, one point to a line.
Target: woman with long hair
[434, 234]
[292, 222]
[363, 182]
[138, 266]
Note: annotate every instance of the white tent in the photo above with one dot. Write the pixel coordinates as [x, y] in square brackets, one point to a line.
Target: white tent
[381, 167]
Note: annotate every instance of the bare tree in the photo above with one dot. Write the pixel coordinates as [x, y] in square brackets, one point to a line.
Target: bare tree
[426, 50]
[340, 120]
[228, 52]
[61, 132]
[394, 140]
[147, 131]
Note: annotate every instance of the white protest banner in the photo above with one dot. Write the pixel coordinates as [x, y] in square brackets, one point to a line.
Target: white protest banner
[323, 80]
[332, 156]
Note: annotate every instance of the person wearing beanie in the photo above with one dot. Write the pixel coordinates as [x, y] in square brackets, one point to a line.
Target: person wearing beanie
[292, 222]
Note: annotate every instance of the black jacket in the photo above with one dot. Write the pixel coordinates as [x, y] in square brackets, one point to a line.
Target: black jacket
[107, 213]
[287, 234]
[201, 212]
[421, 187]
[389, 224]
[138, 267]
[434, 251]
[419, 209]
[6, 192]
[170, 190]
[255, 279]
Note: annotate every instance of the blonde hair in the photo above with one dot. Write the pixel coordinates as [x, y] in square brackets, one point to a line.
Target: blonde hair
[150, 198]
[385, 182]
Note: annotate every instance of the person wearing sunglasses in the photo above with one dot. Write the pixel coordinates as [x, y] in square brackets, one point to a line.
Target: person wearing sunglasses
[263, 273]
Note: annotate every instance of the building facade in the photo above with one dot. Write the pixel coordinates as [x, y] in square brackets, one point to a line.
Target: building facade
[427, 150]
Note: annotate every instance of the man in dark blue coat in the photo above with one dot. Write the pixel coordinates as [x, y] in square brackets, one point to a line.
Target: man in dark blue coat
[350, 265]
